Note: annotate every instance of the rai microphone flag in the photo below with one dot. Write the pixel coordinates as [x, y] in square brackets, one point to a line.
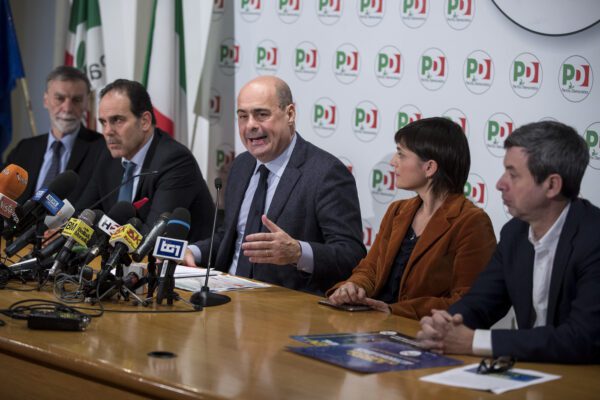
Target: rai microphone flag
[11, 69]
[85, 48]
[164, 72]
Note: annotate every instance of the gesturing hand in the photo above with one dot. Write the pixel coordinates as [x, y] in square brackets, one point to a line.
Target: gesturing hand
[273, 247]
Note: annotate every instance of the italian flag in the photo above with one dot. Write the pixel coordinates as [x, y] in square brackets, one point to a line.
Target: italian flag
[85, 47]
[164, 72]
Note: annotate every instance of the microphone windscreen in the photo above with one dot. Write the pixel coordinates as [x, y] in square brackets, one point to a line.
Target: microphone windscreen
[13, 181]
[121, 212]
[136, 223]
[178, 226]
[88, 216]
[63, 184]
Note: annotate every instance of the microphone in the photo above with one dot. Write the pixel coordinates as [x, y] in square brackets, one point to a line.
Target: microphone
[50, 222]
[125, 240]
[77, 231]
[106, 226]
[205, 297]
[171, 249]
[13, 182]
[106, 196]
[147, 245]
[45, 201]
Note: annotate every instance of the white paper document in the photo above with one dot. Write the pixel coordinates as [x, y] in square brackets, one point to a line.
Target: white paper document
[467, 377]
[217, 283]
[191, 272]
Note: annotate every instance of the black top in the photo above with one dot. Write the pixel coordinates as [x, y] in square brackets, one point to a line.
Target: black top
[391, 290]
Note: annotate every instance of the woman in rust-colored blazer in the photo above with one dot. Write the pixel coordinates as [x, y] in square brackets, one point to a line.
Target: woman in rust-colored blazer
[429, 248]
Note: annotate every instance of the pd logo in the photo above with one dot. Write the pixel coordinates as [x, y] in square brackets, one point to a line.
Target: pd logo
[383, 183]
[329, 11]
[346, 63]
[414, 13]
[407, 114]
[368, 234]
[455, 115]
[366, 121]
[526, 75]
[267, 58]
[347, 163]
[433, 68]
[370, 12]
[306, 61]
[224, 157]
[229, 56]
[325, 117]
[497, 129]
[289, 11]
[476, 190]
[250, 10]
[389, 66]
[214, 106]
[218, 9]
[459, 13]
[592, 138]
[575, 78]
[478, 72]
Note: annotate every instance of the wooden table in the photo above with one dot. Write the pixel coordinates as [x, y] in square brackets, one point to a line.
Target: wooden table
[235, 350]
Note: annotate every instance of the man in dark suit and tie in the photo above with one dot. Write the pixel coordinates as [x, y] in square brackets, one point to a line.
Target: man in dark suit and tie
[292, 215]
[170, 177]
[546, 266]
[68, 145]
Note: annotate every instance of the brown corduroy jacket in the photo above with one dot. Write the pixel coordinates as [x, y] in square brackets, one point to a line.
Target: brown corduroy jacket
[453, 249]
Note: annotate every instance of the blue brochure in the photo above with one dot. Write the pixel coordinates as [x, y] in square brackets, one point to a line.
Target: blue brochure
[370, 352]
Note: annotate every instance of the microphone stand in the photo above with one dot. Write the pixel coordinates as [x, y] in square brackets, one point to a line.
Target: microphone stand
[205, 297]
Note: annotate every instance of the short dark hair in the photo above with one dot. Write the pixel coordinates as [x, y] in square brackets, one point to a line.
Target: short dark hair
[553, 148]
[284, 94]
[67, 73]
[139, 99]
[443, 141]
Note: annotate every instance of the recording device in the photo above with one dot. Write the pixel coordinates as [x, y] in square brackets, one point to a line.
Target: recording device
[50, 222]
[159, 228]
[77, 231]
[57, 320]
[171, 248]
[205, 297]
[45, 201]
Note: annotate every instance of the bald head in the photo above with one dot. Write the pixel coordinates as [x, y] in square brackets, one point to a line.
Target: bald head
[281, 89]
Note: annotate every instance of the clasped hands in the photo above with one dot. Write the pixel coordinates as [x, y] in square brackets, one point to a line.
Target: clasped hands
[445, 333]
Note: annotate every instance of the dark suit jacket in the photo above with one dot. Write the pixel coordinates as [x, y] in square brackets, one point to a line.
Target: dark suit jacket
[572, 331]
[179, 183]
[453, 249]
[316, 201]
[29, 154]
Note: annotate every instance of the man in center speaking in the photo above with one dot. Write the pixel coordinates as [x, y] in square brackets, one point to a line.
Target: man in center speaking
[292, 215]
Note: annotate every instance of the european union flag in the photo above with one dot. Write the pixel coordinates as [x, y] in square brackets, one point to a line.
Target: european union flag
[11, 69]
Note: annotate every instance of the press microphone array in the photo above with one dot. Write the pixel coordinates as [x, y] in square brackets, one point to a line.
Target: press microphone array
[46, 201]
[13, 182]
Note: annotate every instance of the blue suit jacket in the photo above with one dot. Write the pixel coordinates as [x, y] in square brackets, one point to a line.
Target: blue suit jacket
[316, 201]
[572, 332]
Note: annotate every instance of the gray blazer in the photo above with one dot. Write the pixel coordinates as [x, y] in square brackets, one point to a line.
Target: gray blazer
[316, 201]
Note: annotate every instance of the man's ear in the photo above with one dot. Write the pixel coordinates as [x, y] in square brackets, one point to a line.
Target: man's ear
[553, 184]
[291, 113]
[146, 121]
